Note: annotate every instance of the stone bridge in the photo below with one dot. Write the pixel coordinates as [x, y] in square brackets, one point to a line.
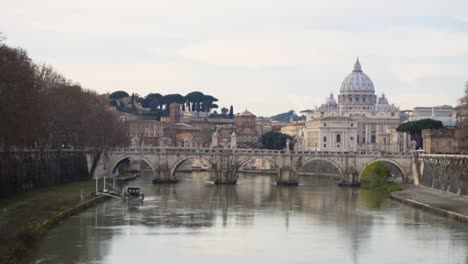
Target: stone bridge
[225, 163]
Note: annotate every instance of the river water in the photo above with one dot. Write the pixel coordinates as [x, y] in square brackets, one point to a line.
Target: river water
[254, 221]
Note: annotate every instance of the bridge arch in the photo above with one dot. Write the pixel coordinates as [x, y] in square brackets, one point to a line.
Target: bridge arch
[122, 158]
[204, 160]
[249, 159]
[334, 163]
[394, 163]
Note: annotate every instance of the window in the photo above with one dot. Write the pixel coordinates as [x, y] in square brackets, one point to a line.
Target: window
[324, 145]
[337, 146]
[373, 139]
[338, 138]
[352, 138]
[352, 124]
[324, 124]
[324, 139]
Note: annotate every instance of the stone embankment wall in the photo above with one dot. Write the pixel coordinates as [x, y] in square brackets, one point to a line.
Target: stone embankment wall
[445, 172]
[443, 141]
[27, 170]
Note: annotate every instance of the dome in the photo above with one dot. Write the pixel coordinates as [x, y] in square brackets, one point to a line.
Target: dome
[246, 113]
[382, 100]
[357, 81]
[330, 101]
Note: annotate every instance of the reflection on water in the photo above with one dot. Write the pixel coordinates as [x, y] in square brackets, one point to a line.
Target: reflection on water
[252, 222]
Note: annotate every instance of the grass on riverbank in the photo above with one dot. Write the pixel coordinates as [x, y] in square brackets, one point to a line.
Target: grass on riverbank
[23, 217]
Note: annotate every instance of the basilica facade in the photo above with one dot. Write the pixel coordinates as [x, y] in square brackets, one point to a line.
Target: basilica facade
[358, 120]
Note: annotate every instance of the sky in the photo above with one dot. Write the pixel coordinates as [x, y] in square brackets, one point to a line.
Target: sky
[267, 56]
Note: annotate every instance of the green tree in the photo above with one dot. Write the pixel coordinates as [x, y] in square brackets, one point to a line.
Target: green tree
[172, 98]
[135, 98]
[224, 111]
[274, 140]
[415, 127]
[118, 95]
[208, 103]
[231, 112]
[153, 101]
[194, 99]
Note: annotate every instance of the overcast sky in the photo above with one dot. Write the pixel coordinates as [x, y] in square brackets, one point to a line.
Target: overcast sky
[265, 55]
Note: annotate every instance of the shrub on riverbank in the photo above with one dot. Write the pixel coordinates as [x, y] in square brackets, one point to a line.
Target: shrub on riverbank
[378, 177]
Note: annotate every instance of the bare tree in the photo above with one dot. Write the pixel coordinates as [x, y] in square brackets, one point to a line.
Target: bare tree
[41, 108]
[462, 125]
[18, 103]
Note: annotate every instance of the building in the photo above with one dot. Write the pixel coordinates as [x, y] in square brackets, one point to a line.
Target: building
[445, 114]
[292, 129]
[263, 125]
[174, 113]
[331, 134]
[247, 135]
[373, 118]
[146, 132]
[443, 141]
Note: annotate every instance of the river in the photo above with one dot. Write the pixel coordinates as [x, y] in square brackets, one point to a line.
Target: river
[254, 221]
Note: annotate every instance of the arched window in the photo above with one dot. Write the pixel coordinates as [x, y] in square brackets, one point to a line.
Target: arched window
[338, 138]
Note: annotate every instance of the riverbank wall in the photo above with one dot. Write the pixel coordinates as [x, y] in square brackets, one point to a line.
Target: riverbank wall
[22, 171]
[448, 173]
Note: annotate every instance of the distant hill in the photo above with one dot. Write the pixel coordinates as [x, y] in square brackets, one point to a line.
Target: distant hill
[286, 117]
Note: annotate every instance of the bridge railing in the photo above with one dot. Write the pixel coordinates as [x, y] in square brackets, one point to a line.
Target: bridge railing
[200, 151]
[444, 156]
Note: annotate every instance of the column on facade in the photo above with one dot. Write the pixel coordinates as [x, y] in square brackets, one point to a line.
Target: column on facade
[405, 141]
[367, 134]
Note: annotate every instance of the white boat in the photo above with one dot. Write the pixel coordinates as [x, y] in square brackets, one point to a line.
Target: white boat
[132, 194]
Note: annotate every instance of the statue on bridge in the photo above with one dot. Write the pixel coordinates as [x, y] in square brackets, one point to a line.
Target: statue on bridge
[214, 139]
[135, 141]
